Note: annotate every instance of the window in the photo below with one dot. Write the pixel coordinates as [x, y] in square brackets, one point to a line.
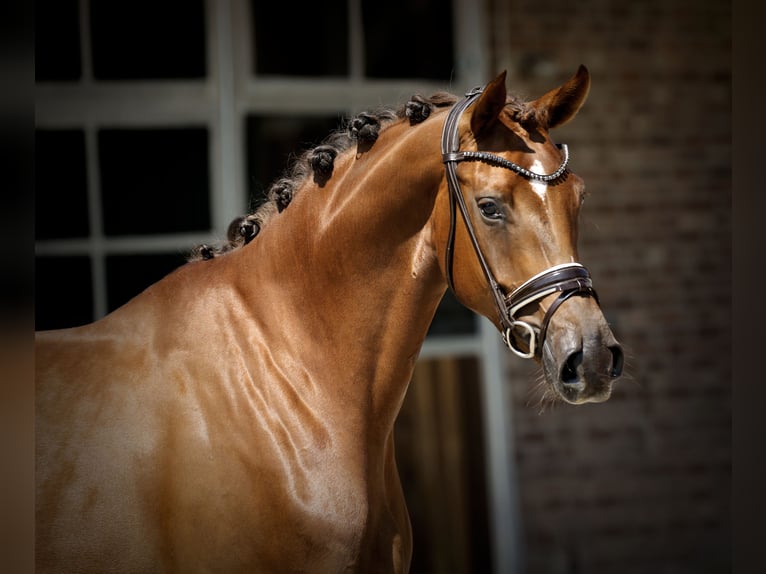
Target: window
[124, 182]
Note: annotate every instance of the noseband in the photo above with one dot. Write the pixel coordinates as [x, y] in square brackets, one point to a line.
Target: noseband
[568, 279]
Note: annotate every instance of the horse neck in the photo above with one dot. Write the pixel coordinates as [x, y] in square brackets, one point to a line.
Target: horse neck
[348, 271]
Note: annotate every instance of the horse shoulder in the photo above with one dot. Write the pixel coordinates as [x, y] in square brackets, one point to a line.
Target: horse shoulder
[167, 415]
[104, 400]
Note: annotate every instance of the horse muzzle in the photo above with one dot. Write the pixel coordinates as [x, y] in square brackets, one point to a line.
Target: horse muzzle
[583, 362]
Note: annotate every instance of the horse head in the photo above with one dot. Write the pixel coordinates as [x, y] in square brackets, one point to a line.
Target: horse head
[513, 257]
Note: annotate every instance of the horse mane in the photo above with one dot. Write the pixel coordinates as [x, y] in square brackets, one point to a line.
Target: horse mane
[362, 130]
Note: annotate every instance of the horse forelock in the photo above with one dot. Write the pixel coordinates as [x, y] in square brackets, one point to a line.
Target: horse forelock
[361, 130]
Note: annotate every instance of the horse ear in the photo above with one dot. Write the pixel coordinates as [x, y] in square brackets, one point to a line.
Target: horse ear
[489, 105]
[561, 104]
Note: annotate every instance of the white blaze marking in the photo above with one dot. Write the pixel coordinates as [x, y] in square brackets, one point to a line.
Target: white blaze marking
[539, 187]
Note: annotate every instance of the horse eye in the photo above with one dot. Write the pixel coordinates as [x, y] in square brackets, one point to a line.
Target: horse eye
[489, 208]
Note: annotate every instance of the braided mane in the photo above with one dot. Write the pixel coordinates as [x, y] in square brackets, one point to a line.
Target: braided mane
[363, 130]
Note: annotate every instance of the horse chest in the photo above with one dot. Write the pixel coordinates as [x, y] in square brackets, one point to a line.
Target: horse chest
[267, 494]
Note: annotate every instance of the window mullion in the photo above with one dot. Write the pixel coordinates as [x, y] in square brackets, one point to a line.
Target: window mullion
[96, 240]
[86, 53]
[227, 197]
[356, 47]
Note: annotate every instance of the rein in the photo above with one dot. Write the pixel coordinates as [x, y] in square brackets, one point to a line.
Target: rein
[568, 278]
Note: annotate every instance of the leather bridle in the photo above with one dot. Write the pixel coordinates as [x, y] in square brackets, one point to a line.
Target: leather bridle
[568, 278]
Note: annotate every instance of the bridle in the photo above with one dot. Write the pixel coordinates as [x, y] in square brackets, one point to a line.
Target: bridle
[568, 278]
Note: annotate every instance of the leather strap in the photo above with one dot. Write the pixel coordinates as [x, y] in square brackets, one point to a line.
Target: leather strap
[568, 279]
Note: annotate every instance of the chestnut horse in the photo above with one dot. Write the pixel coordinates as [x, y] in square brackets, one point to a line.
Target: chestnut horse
[238, 415]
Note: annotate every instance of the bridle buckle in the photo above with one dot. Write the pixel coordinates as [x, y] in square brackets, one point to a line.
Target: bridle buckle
[508, 339]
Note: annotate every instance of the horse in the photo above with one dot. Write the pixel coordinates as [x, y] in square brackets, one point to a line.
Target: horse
[238, 415]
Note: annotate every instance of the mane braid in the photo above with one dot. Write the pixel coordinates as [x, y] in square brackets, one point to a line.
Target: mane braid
[362, 130]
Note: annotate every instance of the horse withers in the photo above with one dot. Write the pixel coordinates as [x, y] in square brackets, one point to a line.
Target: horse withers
[238, 415]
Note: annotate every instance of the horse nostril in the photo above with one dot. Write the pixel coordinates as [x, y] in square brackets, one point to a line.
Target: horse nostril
[569, 370]
[617, 361]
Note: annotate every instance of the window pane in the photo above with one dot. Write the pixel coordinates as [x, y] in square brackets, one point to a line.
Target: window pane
[452, 318]
[309, 39]
[272, 141]
[57, 40]
[129, 275]
[408, 39]
[154, 180]
[145, 39]
[61, 197]
[63, 292]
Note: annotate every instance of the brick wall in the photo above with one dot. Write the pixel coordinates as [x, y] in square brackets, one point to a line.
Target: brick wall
[640, 484]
